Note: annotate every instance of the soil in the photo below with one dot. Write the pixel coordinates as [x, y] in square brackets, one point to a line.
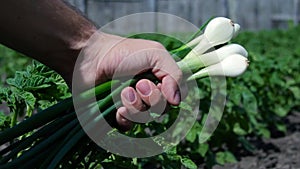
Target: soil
[279, 152]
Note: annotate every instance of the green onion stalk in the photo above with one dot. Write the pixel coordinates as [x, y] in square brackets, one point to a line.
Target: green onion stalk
[56, 132]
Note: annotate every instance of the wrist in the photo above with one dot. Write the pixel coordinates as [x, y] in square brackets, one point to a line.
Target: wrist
[68, 56]
[94, 52]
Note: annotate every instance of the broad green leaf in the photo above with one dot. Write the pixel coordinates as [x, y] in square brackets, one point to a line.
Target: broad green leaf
[235, 96]
[43, 104]
[238, 130]
[172, 151]
[192, 134]
[225, 157]
[249, 101]
[5, 121]
[203, 137]
[4, 93]
[281, 127]
[29, 99]
[188, 163]
[203, 149]
[185, 106]
[281, 111]
[248, 146]
[264, 132]
[3, 118]
[174, 157]
[296, 91]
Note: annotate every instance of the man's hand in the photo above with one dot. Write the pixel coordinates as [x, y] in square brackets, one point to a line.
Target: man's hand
[108, 56]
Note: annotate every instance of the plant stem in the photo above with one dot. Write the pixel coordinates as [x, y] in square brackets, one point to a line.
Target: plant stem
[23, 144]
[97, 90]
[48, 114]
[69, 135]
[183, 47]
[35, 121]
[14, 118]
[42, 146]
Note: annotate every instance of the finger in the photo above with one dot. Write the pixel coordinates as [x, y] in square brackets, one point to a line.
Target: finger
[170, 90]
[131, 100]
[124, 123]
[135, 106]
[152, 96]
[148, 92]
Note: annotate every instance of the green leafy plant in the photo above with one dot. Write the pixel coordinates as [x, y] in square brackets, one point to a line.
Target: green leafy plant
[34, 89]
[258, 101]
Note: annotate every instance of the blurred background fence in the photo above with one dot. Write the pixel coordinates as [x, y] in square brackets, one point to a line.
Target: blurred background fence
[251, 14]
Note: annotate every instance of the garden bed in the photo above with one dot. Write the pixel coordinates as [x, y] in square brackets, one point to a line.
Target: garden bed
[282, 152]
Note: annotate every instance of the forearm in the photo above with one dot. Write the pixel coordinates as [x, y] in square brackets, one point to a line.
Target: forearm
[47, 30]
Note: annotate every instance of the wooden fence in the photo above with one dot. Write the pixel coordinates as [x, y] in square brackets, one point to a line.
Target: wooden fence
[250, 14]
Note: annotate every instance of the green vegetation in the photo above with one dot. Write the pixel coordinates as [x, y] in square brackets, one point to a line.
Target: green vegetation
[256, 104]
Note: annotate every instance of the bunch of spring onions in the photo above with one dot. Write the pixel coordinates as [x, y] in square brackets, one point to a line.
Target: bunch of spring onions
[56, 131]
[206, 60]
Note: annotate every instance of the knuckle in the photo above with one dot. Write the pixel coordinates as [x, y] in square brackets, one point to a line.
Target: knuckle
[176, 75]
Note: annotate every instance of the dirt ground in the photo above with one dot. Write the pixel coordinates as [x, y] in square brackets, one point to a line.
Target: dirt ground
[282, 152]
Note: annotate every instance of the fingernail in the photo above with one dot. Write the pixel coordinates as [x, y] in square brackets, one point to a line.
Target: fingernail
[177, 97]
[130, 96]
[144, 88]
